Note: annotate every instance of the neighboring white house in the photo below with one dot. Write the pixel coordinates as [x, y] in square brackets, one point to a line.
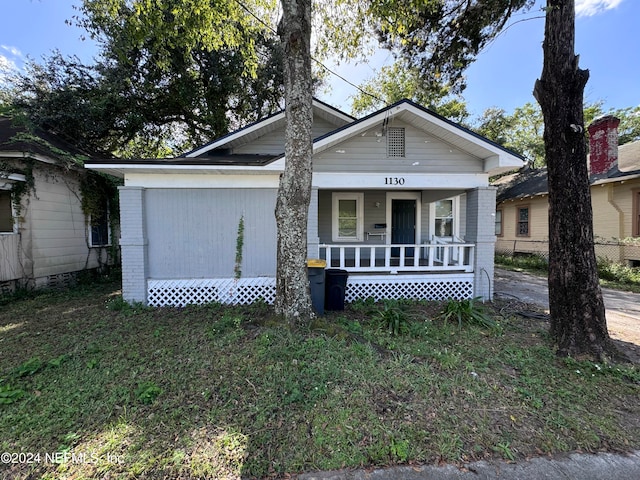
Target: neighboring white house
[401, 200]
[45, 236]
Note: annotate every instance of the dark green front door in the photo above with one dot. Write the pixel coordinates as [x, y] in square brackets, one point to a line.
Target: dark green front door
[403, 225]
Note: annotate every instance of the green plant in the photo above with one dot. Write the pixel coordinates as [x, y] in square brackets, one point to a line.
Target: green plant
[364, 305]
[467, 311]
[533, 262]
[617, 272]
[30, 367]
[392, 316]
[119, 304]
[9, 394]
[504, 449]
[399, 450]
[147, 392]
[237, 269]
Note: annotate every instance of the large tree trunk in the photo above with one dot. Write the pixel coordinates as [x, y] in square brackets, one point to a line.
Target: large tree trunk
[293, 299]
[578, 323]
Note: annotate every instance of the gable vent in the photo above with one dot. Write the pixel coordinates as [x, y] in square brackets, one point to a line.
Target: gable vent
[395, 142]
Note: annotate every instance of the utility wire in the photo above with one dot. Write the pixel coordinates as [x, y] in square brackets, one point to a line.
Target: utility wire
[332, 72]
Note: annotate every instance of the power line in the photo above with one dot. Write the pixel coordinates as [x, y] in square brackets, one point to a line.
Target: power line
[270, 28]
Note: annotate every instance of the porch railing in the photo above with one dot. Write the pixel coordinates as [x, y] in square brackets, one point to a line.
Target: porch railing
[440, 257]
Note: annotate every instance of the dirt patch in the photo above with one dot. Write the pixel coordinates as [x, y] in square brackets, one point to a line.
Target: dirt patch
[622, 308]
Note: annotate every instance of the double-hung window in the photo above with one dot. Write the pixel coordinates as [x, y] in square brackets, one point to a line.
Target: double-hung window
[99, 232]
[635, 230]
[498, 230]
[347, 217]
[522, 223]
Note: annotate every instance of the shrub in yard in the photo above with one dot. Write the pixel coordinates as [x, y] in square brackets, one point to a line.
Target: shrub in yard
[392, 316]
[467, 311]
[617, 272]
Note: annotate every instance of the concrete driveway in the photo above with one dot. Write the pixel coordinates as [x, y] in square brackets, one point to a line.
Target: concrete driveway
[623, 308]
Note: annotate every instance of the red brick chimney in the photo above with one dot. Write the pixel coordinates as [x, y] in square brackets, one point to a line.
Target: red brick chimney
[603, 144]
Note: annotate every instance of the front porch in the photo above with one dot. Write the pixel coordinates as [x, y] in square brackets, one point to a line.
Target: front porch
[435, 271]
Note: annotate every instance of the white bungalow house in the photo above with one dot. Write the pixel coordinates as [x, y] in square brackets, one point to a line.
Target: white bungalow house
[401, 200]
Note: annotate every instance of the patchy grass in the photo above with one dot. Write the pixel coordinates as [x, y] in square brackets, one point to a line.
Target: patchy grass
[100, 389]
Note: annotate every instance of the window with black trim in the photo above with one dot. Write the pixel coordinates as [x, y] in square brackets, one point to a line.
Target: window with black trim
[7, 221]
[522, 223]
[395, 142]
[99, 234]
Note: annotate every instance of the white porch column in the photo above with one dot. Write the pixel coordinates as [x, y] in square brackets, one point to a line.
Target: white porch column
[133, 243]
[481, 207]
[313, 240]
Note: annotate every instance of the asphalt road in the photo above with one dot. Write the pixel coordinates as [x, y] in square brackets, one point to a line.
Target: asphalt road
[622, 308]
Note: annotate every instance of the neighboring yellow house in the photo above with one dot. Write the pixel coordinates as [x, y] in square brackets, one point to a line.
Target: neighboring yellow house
[522, 201]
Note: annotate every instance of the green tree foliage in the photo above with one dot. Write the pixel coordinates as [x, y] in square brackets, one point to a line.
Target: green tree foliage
[400, 81]
[441, 38]
[522, 131]
[168, 77]
[629, 128]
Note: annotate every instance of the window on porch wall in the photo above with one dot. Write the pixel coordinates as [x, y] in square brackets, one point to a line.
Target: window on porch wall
[347, 217]
[498, 230]
[6, 212]
[444, 218]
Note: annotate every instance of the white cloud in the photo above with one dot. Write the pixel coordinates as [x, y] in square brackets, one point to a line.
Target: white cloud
[7, 65]
[589, 8]
[12, 50]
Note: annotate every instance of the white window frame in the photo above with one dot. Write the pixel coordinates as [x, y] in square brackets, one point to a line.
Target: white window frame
[456, 217]
[335, 211]
[417, 196]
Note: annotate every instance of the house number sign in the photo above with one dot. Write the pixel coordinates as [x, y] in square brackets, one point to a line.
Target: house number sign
[393, 180]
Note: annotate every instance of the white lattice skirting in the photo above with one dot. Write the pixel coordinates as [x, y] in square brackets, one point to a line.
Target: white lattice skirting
[416, 287]
[178, 293]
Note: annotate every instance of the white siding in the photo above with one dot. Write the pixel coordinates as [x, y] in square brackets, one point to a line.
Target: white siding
[56, 226]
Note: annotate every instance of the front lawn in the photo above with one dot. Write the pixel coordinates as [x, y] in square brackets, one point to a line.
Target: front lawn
[93, 388]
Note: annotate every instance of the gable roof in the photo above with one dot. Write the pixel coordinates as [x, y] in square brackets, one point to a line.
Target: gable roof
[266, 125]
[218, 157]
[533, 182]
[496, 158]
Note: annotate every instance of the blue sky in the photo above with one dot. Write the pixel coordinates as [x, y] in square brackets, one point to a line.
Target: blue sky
[503, 76]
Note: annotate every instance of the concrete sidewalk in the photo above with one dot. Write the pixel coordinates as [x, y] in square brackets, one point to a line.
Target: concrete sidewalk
[602, 466]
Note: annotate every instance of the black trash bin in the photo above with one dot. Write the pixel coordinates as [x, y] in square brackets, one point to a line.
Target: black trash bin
[336, 285]
[315, 271]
